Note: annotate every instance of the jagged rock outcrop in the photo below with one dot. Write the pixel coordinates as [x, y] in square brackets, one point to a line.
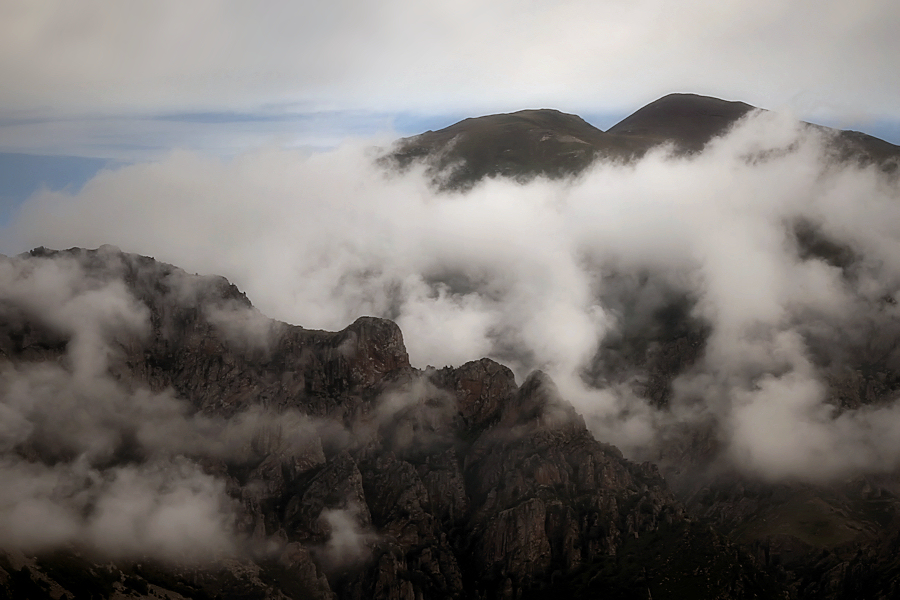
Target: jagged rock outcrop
[551, 498]
[481, 388]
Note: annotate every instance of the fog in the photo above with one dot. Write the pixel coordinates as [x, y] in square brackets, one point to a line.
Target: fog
[556, 275]
[100, 463]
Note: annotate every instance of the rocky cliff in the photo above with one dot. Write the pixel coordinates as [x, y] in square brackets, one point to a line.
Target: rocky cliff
[354, 475]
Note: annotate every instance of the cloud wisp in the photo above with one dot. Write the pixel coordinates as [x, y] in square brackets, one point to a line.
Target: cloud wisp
[550, 273]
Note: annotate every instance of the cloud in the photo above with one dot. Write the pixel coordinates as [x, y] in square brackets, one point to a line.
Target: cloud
[348, 544]
[78, 470]
[169, 510]
[577, 278]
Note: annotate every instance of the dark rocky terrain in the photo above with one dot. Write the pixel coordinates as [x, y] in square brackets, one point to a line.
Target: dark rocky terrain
[469, 485]
[344, 472]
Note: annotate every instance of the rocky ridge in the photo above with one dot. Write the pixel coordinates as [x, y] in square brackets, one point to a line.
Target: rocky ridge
[453, 483]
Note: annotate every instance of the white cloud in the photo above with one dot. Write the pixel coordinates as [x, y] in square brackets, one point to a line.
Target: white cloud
[533, 274]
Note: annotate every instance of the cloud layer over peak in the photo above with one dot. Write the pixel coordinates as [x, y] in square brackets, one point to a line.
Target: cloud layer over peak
[780, 261]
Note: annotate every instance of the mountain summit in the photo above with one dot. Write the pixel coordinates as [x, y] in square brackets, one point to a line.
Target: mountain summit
[549, 143]
[688, 120]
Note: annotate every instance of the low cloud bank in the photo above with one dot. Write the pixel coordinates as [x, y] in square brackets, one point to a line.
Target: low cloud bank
[787, 260]
[99, 463]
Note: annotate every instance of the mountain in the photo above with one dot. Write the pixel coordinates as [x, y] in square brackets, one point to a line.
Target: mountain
[530, 143]
[160, 437]
[370, 479]
[520, 144]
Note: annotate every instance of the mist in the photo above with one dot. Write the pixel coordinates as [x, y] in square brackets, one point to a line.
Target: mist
[549, 274]
[101, 463]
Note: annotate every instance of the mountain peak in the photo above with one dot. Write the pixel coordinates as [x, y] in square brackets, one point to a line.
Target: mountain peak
[546, 142]
[519, 144]
[691, 120]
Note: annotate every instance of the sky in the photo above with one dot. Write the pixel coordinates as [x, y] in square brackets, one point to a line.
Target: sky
[123, 82]
[236, 139]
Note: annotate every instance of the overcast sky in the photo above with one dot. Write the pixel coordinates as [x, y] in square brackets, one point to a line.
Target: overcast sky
[114, 79]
